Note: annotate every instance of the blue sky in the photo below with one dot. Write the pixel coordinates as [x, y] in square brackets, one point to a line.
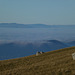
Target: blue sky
[51, 12]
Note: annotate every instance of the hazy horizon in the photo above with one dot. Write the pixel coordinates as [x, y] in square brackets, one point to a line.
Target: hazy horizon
[50, 12]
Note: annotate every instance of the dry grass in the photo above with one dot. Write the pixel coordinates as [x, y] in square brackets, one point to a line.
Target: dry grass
[58, 62]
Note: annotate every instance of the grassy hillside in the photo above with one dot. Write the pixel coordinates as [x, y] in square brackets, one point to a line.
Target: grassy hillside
[58, 62]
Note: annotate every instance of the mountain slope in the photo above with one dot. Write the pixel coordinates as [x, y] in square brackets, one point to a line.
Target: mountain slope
[52, 45]
[72, 43]
[58, 62]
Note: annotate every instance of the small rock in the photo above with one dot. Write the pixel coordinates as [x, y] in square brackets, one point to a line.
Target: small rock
[73, 56]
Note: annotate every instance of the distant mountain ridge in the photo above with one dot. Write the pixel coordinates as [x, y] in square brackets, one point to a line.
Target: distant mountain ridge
[16, 25]
[22, 25]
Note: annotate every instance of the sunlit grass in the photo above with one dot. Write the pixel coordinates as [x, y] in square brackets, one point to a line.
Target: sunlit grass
[58, 62]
